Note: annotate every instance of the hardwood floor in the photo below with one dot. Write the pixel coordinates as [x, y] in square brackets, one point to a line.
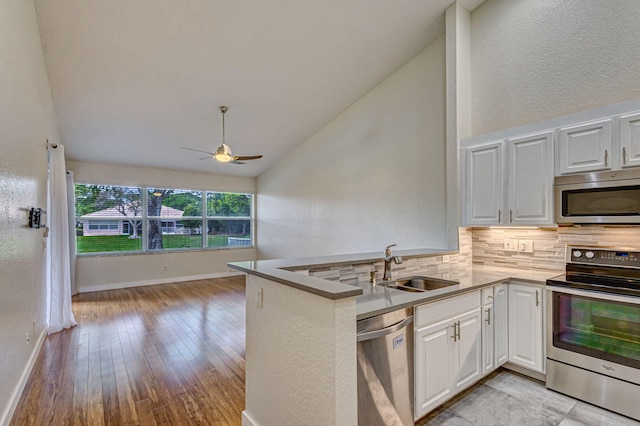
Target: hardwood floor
[168, 354]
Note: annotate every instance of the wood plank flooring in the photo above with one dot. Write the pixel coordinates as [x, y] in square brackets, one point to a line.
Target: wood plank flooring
[170, 354]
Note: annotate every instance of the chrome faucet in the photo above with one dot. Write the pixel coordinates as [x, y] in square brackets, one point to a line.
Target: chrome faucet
[387, 262]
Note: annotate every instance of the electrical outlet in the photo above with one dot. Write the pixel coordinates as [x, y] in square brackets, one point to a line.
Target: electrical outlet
[259, 302]
[510, 245]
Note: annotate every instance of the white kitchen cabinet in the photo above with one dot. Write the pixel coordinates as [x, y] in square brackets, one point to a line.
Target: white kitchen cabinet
[585, 148]
[528, 169]
[526, 338]
[495, 338]
[500, 324]
[448, 350]
[488, 339]
[530, 180]
[484, 184]
[630, 140]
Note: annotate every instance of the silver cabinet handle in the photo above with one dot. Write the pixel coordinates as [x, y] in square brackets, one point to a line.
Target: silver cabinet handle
[537, 299]
[488, 320]
[624, 155]
[499, 216]
[458, 330]
[455, 335]
[606, 158]
[510, 216]
[490, 297]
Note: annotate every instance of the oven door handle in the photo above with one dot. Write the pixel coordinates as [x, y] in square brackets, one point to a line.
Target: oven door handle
[594, 294]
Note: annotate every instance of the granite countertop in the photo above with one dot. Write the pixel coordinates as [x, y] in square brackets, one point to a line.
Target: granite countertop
[375, 300]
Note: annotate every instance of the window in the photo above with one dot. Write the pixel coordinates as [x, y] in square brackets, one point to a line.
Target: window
[131, 219]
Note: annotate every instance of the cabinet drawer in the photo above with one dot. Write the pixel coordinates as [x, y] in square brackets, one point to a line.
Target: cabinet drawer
[487, 295]
[436, 311]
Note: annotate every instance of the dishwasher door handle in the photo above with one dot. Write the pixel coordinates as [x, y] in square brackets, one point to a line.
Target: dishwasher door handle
[369, 335]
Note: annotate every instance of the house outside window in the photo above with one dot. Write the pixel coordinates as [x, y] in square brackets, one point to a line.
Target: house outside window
[118, 219]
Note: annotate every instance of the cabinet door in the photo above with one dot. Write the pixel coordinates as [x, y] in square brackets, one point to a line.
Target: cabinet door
[525, 326]
[433, 366]
[500, 324]
[488, 328]
[467, 350]
[585, 148]
[484, 185]
[630, 140]
[530, 180]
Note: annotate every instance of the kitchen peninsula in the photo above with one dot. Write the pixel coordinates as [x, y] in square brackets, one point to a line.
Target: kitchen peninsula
[301, 330]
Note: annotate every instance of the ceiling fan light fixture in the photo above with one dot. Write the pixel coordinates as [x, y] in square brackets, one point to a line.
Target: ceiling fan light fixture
[223, 157]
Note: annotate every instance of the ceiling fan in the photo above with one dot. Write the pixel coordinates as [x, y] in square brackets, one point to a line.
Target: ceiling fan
[224, 153]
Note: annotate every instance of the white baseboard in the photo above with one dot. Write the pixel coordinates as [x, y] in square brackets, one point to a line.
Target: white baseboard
[247, 420]
[17, 393]
[525, 371]
[115, 286]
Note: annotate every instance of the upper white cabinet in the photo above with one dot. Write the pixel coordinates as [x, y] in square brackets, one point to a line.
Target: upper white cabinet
[585, 148]
[630, 140]
[609, 144]
[484, 184]
[527, 197]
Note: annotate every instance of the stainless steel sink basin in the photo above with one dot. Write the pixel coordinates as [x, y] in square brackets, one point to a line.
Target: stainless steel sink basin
[404, 288]
[423, 283]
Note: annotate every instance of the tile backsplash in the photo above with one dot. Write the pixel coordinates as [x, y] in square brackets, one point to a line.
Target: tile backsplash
[548, 244]
[426, 265]
[485, 246]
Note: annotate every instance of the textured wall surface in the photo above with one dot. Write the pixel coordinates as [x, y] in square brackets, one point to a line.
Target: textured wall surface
[301, 357]
[548, 244]
[371, 177]
[536, 59]
[102, 272]
[26, 122]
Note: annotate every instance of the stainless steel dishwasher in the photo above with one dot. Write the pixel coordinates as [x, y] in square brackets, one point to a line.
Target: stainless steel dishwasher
[385, 369]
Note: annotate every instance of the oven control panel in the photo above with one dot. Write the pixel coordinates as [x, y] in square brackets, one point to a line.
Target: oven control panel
[606, 256]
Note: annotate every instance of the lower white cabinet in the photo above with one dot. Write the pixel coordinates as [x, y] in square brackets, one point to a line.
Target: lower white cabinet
[495, 328]
[448, 350]
[501, 324]
[526, 338]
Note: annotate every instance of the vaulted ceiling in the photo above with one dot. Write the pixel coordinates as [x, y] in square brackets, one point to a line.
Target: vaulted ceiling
[134, 80]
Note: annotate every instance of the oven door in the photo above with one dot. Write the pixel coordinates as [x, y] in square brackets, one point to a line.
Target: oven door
[596, 331]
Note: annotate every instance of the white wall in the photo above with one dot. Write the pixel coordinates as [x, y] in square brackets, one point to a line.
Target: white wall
[537, 59]
[371, 177]
[116, 271]
[26, 122]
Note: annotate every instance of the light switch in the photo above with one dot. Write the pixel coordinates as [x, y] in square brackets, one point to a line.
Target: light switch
[525, 246]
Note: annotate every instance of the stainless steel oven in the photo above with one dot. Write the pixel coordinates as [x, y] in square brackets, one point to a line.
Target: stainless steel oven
[602, 197]
[593, 335]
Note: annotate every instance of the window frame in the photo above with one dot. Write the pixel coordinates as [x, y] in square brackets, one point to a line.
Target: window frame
[144, 219]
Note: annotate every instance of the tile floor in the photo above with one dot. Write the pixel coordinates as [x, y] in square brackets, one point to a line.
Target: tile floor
[509, 399]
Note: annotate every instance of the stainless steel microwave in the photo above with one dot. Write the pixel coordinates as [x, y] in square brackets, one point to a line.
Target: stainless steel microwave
[601, 197]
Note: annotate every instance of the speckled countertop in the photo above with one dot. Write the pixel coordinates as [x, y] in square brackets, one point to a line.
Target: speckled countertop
[378, 299]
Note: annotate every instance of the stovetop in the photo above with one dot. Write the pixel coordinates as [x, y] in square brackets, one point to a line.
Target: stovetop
[605, 269]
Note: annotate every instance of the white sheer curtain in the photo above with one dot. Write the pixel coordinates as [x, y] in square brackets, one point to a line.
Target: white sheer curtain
[59, 313]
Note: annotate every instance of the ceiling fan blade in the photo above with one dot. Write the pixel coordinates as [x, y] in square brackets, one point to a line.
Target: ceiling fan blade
[236, 162]
[198, 150]
[248, 157]
[205, 158]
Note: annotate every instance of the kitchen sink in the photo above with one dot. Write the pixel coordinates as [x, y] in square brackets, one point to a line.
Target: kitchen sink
[422, 283]
[405, 288]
